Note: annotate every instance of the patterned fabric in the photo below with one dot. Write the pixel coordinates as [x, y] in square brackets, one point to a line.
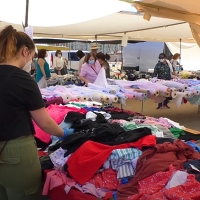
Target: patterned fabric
[106, 179]
[153, 188]
[129, 154]
[58, 158]
[162, 71]
[121, 161]
[125, 170]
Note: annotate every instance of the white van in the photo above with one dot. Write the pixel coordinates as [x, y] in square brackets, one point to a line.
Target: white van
[73, 61]
[142, 54]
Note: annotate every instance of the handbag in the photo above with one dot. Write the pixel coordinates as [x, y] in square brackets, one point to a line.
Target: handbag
[94, 70]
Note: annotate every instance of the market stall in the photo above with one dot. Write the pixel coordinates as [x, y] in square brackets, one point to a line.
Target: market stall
[104, 157]
[112, 90]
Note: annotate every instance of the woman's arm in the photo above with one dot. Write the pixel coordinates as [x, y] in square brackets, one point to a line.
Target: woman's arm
[83, 74]
[155, 73]
[66, 61]
[41, 64]
[54, 62]
[84, 80]
[46, 123]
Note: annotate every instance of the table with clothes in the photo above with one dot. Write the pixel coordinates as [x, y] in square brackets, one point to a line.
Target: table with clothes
[118, 154]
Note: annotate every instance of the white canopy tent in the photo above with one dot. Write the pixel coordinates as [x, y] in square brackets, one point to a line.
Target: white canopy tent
[70, 19]
[46, 13]
[113, 27]
[184, 10]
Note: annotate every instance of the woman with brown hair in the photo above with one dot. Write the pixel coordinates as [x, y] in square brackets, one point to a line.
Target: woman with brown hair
[90, 69]
[42, 69]
[59, 63]
[103, 61]
[20, 103]
[175, 62]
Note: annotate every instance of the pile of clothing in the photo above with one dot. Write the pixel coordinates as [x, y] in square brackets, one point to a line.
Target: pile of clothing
[118, 154]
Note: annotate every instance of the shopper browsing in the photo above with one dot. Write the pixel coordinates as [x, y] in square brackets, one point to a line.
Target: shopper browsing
[90, 69]
[163, 71]
[20, 102]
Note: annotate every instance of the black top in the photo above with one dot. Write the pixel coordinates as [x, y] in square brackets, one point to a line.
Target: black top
[19, 94]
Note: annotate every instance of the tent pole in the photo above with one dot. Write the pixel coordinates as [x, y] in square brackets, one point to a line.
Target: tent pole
[26, 13]
[70, 54]
[122, 58]
[180, 52]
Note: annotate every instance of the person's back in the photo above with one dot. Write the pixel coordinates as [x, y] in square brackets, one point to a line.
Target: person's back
[21, 104]
[39, 73]
[107, 68]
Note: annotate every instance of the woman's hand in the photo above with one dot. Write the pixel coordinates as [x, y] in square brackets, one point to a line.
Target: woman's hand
[86, 82]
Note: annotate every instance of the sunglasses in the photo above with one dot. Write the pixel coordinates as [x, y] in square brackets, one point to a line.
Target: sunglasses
[160, 57]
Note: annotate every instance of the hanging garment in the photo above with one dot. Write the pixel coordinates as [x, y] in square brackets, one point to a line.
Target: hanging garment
[101, 79]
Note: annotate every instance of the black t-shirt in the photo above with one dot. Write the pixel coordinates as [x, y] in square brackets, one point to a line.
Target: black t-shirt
[19, 94]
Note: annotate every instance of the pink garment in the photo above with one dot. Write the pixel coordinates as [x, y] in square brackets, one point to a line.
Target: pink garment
[56, 178]
[57, 113]
[119, 121]
[159, 121]
[89, 72]
[147, 85]
[89, 188]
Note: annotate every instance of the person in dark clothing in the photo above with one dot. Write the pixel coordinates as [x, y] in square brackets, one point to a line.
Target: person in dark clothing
[102, 58]
[22, 103]
[162, 71]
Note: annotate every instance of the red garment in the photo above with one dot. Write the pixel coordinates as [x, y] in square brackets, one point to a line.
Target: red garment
[42, 153]
[185, 100]
[57, 113]
[153, 188]
[55, 179]
[106, 179]
[60, 194]
[155, 160]
[87, 160]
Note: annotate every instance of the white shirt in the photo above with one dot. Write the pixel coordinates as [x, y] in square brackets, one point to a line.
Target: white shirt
[81, 61]
[170, 66]
[58, 62]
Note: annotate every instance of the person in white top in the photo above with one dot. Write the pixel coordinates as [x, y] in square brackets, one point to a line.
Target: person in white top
[81, 56]
[175, 63]
[59, 63]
